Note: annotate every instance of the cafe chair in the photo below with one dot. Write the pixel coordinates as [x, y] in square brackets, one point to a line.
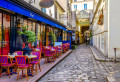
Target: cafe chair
[59, 50]
[68, 45]
[53, 52]
[22, 65]
[48, 55]
[64, 46]
[36, 60]
[19, 52]
[4, 63]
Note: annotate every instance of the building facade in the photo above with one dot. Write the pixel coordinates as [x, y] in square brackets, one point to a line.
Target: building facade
[106, 27]
[82, 9]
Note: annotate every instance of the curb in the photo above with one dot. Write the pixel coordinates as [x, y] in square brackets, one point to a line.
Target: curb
[109, 78]
[100, 59]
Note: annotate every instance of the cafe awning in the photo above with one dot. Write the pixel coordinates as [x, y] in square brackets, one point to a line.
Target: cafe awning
[24, 8]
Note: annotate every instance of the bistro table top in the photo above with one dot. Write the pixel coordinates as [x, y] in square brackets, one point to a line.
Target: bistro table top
[29, 56]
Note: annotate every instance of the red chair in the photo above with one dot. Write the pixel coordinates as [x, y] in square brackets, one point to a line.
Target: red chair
[19, 52]
[47, 54]
[68, 45]
[59, 50]
[5, 64]
[21, 63]
[64, 46]
[36, 60]
[53, 51]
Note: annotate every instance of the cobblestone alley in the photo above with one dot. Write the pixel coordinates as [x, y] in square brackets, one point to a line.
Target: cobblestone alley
[80, 66]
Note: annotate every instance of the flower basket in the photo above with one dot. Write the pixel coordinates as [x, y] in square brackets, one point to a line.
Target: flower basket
[100, 21]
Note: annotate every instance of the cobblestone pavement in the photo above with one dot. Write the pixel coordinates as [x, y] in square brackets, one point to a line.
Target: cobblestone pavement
[80, 66]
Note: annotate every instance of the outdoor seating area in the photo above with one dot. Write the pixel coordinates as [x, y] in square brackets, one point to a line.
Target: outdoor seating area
[21, 66]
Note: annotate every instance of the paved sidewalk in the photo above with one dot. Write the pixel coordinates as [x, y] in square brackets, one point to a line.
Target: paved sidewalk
[99, 56]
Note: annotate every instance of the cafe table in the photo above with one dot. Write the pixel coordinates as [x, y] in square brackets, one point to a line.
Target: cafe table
[29, 56]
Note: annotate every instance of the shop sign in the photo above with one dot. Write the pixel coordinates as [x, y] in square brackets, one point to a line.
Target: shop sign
[46, 3]
[31, 14]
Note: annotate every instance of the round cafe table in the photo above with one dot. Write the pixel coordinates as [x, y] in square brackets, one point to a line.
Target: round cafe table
[29, 56]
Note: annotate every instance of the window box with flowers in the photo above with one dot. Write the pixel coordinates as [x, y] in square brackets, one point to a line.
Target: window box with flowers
[100, 21]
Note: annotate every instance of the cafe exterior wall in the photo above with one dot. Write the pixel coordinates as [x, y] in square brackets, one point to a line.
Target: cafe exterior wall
[54, 11]
[18, 16]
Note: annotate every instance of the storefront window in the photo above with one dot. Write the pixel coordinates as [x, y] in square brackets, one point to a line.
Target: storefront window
[38, 36]
[29, 25]
[43, 34]
[33, 26]
[25, 23]
[56, 34]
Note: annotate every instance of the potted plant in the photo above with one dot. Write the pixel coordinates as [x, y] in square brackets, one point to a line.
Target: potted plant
[27, 37]
[50, 38]
[53, 38]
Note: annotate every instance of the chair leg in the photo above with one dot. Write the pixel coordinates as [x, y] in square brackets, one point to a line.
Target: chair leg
[50, 60]
[39, 66]
[32, 70]
[15, 68]
[36, 69]
[18, 74]
[45, 59]
[0, 71]
[8, 72]
[22, 71]
[26, 74]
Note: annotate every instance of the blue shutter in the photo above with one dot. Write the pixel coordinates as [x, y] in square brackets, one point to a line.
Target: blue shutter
[85, 6]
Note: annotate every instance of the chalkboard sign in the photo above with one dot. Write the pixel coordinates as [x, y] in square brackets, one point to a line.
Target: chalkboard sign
[58, 43]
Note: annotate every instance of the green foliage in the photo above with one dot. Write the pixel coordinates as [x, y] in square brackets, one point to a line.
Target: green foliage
[90, 35]
[53, 38]
[31, 35]
[50, 33]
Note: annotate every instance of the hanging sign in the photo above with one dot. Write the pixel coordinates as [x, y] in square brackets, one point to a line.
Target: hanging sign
[46, 3]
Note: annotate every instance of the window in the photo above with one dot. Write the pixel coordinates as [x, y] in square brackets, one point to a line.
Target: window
[75, 7]
[85, 6]
[44, 10]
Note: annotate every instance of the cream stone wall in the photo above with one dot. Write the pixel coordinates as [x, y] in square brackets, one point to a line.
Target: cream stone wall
[114, 27]
[100, 32]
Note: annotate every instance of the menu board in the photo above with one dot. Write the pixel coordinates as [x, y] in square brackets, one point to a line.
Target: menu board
[58, 43]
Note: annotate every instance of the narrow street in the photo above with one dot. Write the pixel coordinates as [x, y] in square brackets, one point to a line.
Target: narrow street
[79, 66]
